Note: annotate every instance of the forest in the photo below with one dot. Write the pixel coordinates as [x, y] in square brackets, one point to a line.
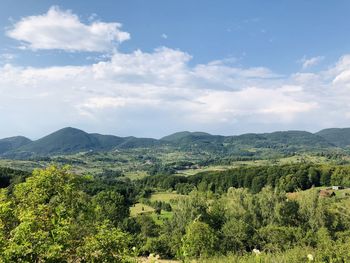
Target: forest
[273, 213]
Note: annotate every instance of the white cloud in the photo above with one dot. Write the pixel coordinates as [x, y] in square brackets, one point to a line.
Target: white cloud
[310, 62]
[63, 30]
[164, 36]
[155, 93]
[263, 105]
[6, 57]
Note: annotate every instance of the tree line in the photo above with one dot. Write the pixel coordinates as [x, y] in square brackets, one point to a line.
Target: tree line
[289, 178]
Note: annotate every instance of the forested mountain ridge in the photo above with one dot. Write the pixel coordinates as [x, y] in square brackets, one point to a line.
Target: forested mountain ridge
[71, 140]
[337, 136]
[12, 143]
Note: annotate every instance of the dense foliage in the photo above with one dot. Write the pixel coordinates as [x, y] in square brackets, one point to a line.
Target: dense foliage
[55, 215]
[287, 178]
[50, 217]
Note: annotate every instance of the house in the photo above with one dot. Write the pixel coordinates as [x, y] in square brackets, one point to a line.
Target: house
[326, 193]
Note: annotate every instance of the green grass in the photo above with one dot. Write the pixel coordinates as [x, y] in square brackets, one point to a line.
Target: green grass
[159, 219]
[164, 215]
[165, 196]
[135, 175]
[290, 256]
[302, 158]
[139, 208]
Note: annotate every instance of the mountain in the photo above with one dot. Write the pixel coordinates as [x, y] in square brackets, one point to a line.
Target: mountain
[291, 140]
[66, 140]
[175, 137]
[337, 136]
[71, 140]
[296, 139]
[12, 143]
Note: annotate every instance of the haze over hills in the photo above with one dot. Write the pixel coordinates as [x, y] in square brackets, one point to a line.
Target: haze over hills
[71, 140]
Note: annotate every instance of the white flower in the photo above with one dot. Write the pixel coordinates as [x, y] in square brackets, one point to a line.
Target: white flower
[256, 251]
[310, 257]
[134, 248]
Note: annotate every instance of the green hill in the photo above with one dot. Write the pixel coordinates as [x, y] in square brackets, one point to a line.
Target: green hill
[175, 137]
[70, 140]
[12, 143]
[66, 140]
[337, 136]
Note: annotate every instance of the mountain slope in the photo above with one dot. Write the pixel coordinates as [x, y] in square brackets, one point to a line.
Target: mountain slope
[337, 136]
[12, 143]
[66, 140]
[70, 140]
[181, 135]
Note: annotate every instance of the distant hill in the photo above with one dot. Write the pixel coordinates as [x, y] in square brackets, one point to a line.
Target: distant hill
[338, 136]
[66, 140]
[12, 143]
[290, 140]
[71, 140]
[296, 139]
[175, 137]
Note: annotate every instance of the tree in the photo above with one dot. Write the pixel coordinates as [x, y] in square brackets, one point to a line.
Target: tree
[110, 205]
[51, 214]
[236, 235]
[199, 241]
[276, 238]
[54, 217]
[109, 244]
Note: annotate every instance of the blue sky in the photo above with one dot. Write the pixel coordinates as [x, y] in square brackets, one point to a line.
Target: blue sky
[150, 68]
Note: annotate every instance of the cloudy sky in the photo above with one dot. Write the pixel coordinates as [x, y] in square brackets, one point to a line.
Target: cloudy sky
[150, 68]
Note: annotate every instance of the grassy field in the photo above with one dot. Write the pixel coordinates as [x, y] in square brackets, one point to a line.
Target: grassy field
[168, 197]
[164, 215]
[165, 196]
[303, 158]
[142, 209]
[139, 208]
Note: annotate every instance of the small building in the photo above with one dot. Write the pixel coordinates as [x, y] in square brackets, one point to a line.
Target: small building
[337, 187]
[326, 193]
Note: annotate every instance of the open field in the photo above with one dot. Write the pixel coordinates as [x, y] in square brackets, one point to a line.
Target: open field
[165, 196]
[139, 208]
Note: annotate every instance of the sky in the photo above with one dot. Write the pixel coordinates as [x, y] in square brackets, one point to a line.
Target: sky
[151, 68]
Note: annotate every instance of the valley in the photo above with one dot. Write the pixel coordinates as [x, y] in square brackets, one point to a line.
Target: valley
[176, 197]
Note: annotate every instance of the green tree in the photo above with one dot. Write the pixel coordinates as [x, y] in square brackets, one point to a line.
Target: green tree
[110, 205]
[109, 244]
[236, 236]
[276, 238]
[199, 241]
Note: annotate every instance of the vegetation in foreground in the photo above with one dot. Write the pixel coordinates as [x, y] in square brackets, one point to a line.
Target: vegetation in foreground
[54, 215]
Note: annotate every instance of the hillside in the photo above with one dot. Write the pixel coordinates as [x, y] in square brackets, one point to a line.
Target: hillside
[66, 140]
[71, 140]
[12, 143]
[280, 142]
[178, 136]
[338, 136]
